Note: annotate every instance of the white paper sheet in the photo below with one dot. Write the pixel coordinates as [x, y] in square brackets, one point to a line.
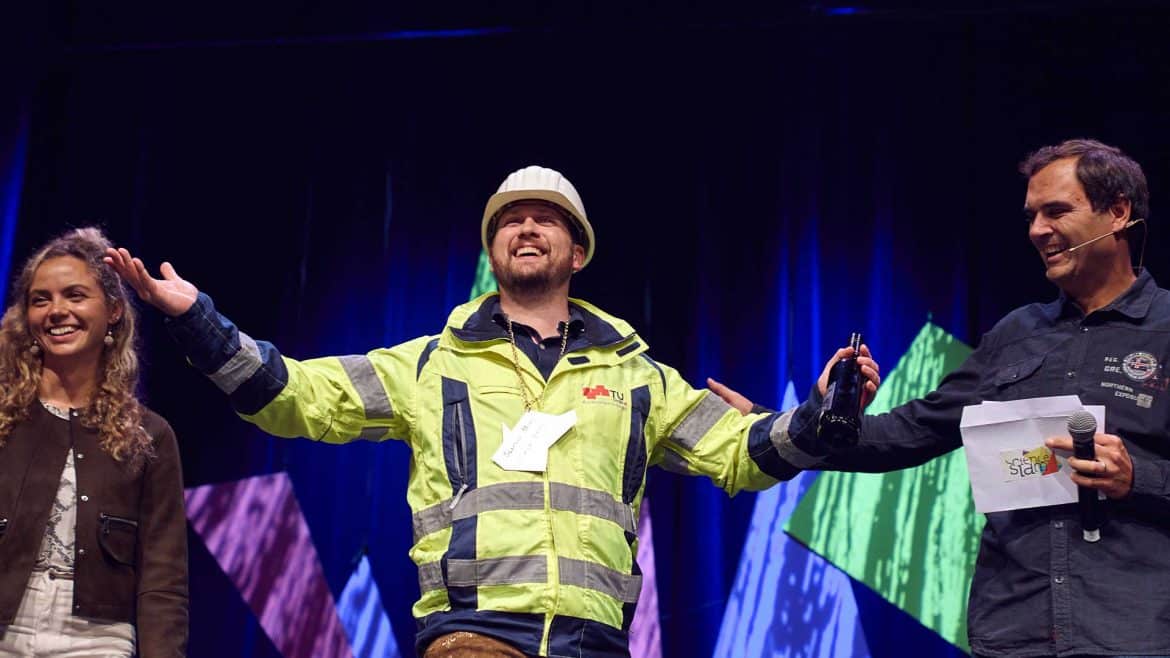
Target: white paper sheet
[1009, 465]
[525, 447]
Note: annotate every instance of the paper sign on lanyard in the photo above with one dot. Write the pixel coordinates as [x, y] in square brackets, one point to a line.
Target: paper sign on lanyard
[525, 447]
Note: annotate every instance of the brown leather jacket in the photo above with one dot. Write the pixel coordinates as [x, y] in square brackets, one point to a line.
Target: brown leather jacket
[131, 550]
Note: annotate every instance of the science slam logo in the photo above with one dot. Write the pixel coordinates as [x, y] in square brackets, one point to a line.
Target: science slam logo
[1026, 464]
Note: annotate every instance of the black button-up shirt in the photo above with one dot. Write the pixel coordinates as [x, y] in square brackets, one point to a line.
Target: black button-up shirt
[1038, 588]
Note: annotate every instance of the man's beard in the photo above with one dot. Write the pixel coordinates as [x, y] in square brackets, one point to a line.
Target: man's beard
[533, 282]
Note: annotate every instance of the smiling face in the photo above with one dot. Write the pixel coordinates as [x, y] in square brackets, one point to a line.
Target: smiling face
[532, 249]
[68, 314]
[1061, 217]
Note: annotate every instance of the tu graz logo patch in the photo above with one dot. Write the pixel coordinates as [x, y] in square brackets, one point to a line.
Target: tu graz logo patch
[602, 393]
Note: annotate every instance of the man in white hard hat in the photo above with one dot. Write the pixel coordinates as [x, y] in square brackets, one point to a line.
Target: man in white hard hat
[532, 418]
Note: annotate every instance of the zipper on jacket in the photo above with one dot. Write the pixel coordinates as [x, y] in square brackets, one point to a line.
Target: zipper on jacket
[460, 455]
[105, 520]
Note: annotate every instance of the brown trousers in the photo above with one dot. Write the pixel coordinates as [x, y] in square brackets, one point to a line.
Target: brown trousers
[463, 644]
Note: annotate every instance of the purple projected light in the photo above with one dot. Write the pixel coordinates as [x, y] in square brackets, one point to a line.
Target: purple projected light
[255, 530]
[645, 631]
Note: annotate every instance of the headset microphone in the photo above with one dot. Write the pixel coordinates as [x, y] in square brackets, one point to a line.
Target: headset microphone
[1104, 235]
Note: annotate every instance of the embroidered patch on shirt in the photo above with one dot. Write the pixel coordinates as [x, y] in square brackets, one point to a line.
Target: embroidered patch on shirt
[1139, 366]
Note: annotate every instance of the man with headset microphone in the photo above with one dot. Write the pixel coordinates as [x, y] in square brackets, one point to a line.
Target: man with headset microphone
[1038, 588]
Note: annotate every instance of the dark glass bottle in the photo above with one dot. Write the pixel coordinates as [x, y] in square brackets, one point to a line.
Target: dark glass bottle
[840, 422]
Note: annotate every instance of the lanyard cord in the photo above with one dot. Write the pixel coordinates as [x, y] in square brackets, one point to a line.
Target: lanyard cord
[532, 401]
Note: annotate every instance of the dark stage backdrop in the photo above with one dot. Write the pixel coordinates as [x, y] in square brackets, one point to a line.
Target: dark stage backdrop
[759, 190]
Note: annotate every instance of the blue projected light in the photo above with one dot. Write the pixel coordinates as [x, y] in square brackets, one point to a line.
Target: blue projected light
[364, 618]
[787, 600]
[11, 181]
[400, 35]
[441, 34]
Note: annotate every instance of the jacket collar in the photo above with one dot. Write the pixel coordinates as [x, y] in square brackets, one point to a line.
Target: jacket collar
[1134, 303]
[475, 322]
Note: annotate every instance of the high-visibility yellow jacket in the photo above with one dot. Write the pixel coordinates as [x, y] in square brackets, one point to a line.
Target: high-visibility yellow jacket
[544, 561]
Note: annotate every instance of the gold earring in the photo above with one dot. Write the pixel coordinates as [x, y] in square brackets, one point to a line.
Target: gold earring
[35, 348]
[109, 339]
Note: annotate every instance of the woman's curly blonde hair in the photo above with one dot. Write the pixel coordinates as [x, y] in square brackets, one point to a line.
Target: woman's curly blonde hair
[114, 410]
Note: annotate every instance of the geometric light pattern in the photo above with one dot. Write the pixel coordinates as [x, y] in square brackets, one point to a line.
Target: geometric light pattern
[256, 532]
[910, 535]
[364, 618]
[787, 600]
[645, 630]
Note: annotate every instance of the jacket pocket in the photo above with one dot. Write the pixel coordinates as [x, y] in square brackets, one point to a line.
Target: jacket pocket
[118, 537]
[1020, 377]
[459, 442]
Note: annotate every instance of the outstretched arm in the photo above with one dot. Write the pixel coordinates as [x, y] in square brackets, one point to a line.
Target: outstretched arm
[870, 371]
[335, 399]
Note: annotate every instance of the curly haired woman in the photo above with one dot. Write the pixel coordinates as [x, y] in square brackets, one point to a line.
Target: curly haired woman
[93, 540]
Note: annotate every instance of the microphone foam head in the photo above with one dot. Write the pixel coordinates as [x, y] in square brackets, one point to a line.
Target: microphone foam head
[1082, 422]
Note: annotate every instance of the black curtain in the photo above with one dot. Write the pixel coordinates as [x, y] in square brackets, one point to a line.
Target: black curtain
[759, 190]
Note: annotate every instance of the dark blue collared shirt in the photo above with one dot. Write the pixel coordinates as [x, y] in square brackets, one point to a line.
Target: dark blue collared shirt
[1039, 588]
[585, 329]
[545, 352]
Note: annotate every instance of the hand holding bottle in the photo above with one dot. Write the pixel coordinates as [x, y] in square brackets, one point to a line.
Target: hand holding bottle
[848, 383]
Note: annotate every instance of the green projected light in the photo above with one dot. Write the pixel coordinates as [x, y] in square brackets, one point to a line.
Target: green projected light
[911, 535]
[485, 281]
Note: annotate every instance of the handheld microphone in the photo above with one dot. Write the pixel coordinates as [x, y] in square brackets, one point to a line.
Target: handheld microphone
[1081, 427]
[1104, 235]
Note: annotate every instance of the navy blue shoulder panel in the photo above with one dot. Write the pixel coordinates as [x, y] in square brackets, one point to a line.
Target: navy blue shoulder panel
[656, 367]
[426, 356]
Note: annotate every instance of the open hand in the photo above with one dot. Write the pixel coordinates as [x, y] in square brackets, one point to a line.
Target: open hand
[171, 294]
[731, 396]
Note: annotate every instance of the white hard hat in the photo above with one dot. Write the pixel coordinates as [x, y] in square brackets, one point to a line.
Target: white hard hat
[543, 184]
